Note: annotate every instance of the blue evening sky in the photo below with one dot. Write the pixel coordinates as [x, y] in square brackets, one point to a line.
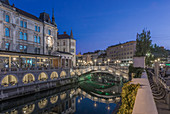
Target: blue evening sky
[98, 24]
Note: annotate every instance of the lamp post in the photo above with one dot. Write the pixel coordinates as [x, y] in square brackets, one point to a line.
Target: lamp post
[108, 61]
[99, 65]
[95, 61]
[105, 62]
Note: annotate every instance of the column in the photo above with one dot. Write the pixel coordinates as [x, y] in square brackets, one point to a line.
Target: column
[61, 62]
[49, 62]
[9, 61]
[35, 62]
[58, 62]
[20, 62]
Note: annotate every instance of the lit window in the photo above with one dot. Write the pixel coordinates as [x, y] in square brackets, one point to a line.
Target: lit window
[21, 47]
[25, 24]
[7, 32]
[6, 46]
[38, 39]
[21, 36]
[49, 32]
[25, 48]
[25, 36]
[35, 28]
[7, 18]
[21, 23]
[35, 39]
[38, 29]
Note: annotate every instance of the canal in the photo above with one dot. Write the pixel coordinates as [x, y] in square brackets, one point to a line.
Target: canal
[95, 93]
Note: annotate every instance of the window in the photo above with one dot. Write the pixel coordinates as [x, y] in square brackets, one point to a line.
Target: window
[38, 50]
[25, 48]
[35, 28]
[21, 23]
[21, 47]
[7, 18]
[7, 32]
[49, 32]
[25, 36]
[64, 49]
[72, 50]
[39, 40]
[6, 46]
[58, 44]
[38, 29]
[35, 39]
[21, 36]
[64, 43]
[25, 24]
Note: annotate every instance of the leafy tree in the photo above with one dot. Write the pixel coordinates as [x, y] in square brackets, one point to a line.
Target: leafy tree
[143, 45]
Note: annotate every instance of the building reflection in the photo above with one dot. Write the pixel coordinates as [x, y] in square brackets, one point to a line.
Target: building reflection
[59, 101]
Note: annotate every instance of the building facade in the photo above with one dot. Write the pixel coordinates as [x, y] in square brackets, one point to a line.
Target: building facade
[122, 52]
[67, 43]
[23, 32]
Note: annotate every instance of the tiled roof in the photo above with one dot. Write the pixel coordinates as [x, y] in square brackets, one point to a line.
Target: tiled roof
[63, 36]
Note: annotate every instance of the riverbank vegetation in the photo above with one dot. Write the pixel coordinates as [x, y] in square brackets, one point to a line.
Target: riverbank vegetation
[128, 95]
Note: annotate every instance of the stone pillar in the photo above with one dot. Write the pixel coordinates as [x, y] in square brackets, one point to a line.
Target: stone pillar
[58, 62]
[20, 67]
[49, 62]
[35, 62]
[9, 61]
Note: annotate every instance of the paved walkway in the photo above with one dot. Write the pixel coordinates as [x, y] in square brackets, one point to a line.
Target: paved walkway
[144, 103]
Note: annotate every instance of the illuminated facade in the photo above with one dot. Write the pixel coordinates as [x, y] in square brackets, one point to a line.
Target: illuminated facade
[23, 32]
[122, 52]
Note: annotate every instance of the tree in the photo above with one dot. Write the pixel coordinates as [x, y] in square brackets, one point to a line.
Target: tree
[143, 45]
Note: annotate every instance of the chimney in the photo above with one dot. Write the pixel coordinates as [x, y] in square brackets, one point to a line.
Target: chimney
[64, 32]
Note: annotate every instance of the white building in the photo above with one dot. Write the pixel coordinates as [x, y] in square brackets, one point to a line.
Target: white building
[23, 32]
[67, 43]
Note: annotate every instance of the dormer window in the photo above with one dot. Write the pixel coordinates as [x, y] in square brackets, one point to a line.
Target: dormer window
[7, 18]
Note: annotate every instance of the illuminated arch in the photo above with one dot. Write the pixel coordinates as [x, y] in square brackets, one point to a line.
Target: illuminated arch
[43, 76]
[72, 73]
[63, 74]
[28, 78]
[42, 103]
[63, 96]
[28, 109]
[54, 75]
[9, 80]
[54, 99]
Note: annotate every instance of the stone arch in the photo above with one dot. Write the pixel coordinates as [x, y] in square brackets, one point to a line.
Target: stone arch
[54, 75]
[28, 78]
[9, 80]
[54, 99]
[63, 74]
[43, 76]
[42, 103]
[72, 73]
[28, 109]
[63, 96]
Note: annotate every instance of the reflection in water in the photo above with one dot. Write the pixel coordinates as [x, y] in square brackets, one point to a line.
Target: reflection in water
[93, 95]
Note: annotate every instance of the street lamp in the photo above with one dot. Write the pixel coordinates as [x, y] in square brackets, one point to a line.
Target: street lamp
[105, 62]
[108, 61]
[95, 61]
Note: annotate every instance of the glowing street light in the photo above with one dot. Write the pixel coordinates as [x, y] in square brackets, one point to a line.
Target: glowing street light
[108, 61]
[105, 62]
[95, 61]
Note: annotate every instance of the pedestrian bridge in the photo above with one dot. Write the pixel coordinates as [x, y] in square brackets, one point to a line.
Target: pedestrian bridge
[114, 70]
